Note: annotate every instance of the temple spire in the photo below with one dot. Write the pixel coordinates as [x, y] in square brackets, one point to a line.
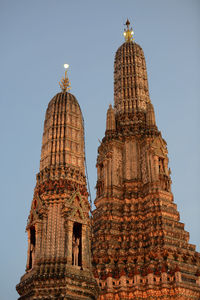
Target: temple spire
[65, 84]
[131, 93]
[128, 32]
[59, 224]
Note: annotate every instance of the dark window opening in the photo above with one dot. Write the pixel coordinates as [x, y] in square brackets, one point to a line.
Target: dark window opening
[32, 247]
[161, 165]
[77, 245]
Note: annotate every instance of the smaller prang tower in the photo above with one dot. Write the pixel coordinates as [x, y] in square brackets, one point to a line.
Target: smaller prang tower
[140, 248]
[59, 228]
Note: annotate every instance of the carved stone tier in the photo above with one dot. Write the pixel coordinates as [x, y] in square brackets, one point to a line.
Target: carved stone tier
[63, 137]
[131, 92]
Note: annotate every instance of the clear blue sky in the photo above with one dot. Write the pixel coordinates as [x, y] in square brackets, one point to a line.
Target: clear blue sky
[37, 37]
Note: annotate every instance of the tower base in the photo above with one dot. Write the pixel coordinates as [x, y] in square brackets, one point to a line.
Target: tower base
[72, 284]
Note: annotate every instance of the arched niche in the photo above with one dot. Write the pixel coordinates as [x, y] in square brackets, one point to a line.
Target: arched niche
[32, 245]
[77, 244]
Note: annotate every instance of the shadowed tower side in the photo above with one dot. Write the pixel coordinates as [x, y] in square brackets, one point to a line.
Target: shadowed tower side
[139, 245]
[59, 229]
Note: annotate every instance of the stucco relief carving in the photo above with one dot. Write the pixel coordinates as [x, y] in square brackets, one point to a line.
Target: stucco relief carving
[144, 166]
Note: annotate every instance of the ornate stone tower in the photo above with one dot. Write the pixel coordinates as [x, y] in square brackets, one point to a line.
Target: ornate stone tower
[140, 248]
[59, 228]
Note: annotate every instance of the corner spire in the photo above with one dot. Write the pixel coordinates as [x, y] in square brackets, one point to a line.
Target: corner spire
[128, 32]
[65, 84]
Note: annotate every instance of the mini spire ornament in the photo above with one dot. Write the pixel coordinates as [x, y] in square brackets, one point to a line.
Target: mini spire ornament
[128, 33]
[65, 84]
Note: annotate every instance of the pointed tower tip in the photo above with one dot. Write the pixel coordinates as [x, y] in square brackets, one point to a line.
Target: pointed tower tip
[128, 32]
[127, 23]
[65, 84]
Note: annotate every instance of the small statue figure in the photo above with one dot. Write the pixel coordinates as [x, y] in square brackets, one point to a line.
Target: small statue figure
[32, 255]
[75, 246]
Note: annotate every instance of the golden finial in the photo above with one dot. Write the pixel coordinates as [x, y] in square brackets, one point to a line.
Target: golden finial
[128, 33]
[65, 84]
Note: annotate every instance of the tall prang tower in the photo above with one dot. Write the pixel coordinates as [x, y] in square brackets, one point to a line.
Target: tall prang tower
[140, 248]
[59, 226]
